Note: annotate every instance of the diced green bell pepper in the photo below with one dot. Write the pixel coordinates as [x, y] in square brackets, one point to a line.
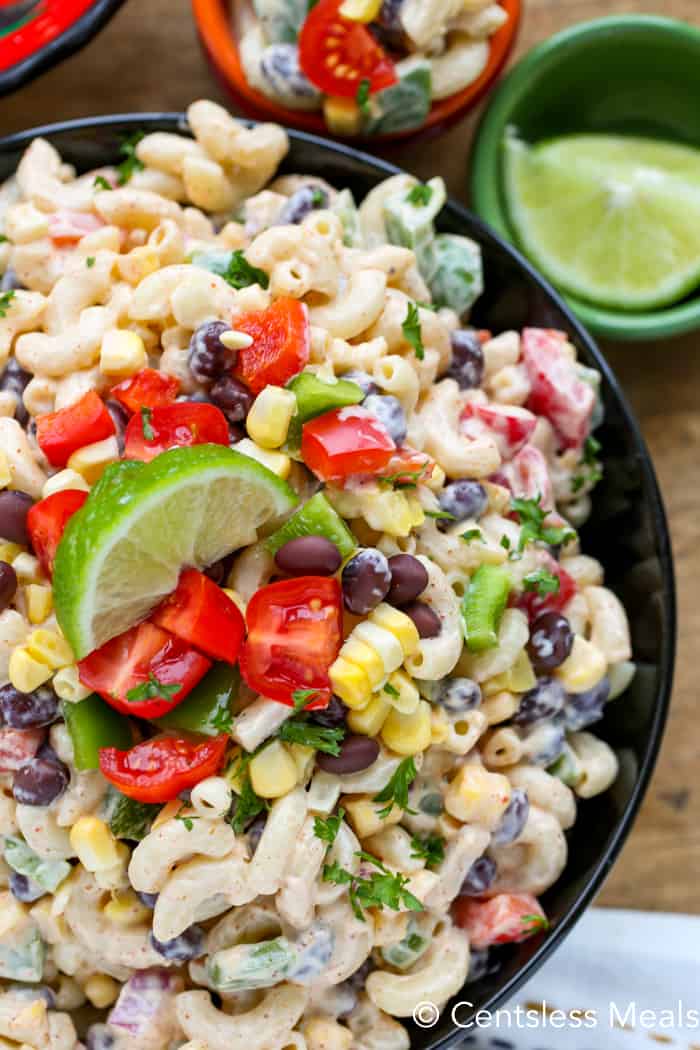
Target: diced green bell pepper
[407, 951]
[22, 957]
[453, 269]
[49, 874]
[316, 396]
[405, 104]
[93, 724]
[315, 518]
[483, 606]
[210, 707]
[127, 818]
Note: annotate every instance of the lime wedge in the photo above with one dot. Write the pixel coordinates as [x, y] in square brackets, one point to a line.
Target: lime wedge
[123, 551]
[614, 220]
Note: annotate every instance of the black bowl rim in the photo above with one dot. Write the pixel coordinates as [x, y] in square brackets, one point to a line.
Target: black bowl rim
[70, 40]
[666, 667]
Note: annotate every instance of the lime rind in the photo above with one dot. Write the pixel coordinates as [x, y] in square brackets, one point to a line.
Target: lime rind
[612, 221]
[123, 551]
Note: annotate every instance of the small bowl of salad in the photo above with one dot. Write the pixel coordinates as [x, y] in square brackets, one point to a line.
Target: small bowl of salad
[376, 70]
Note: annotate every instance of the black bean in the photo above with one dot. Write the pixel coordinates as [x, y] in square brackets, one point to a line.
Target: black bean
[309, 556]
[427, 622]
[99, 1037]
[10, 281]
[544, 700]
[431, 804]
[409, 578]
[233, 398]
[189, 945]
[332, 716]
[219, 570]
[40, 781]
[363, 379]
[8, 584]
[390, 413]
[543, 743]
[208, 357]
[467, 366]
[366, 581]
[513, 820]
[551, 640]
[279, 64]
[583, 709]
[388, 27]
[28, 710]
[254, 832]
[463, 499]
[301, 203]
[14, 379]
[120, 418]
[481, 964]
[25, 889]
[458, 695]
[356, 753]
[14, 507]
[149, 899]
[479, 877]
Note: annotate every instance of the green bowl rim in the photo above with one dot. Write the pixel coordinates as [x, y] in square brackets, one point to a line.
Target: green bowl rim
[486, 190]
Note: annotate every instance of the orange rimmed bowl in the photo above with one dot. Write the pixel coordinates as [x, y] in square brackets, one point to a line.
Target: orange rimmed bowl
[215, 27]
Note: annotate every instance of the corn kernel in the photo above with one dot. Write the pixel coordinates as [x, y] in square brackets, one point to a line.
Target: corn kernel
[91, 461]
[437, 479]
[389, 511]
[401, 692]
[122, 353]
[139, 263]
[5, 472]
[408, 734]
[304, 758]
[67, 686]
[95, 846]
[25, 673]
[384, 642]
[10, 551]
[583, 668]
[28, 569]
[64, 479]
[439, 726]
[115, 877]
[277, 462]
[350, 683]
[271, 413]
[370, 720]
[125, 909]
[49, 648]
[39, 601]
[476, 796]
[273, 772]
[235, 598]
[342, 116]
[363, 814]
[365, 656]
[400, 625]
[521, 677]
[101, 990]
[415, 509]
[360, 10]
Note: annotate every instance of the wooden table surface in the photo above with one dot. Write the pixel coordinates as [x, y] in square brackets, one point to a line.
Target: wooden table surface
[148, 58]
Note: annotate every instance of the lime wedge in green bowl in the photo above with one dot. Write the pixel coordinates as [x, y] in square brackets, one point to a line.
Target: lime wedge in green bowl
[123, 551]
[612, 220]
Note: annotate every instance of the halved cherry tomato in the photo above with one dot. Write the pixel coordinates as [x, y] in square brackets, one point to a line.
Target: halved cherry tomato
[18, 746]
[155, 430]
[46, 521]
[281, 344]
[62, 433]
[533, 603]
[337, 54]
[143, 658]
[345, 442]
[294, 635]
[504, 919]
[158, 770]
[557, 392]
[148, 388]
[67, 227]
[509, 425]
[202, 615]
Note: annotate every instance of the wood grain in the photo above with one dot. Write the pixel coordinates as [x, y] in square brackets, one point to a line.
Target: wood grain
[149, 58]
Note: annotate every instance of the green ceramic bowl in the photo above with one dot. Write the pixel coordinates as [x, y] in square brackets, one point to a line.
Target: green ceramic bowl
[631, 74]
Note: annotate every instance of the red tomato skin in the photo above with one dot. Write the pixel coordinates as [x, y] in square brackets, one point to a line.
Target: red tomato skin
[147, 389]
[527, 476]
[18, 746]
[509, 425]
[557, 392]
[345, 442]
[358, 51]
[294, 635]
[201, 614]
[158, 770]
[175, 426]
[47, 520]
[62, 433]
[125, 662]
[67, 227]
[502, 919]
[533, 604]
[281, 344]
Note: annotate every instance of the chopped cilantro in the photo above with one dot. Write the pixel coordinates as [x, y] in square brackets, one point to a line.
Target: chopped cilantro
[381, 889]
[543, 582]
[327, 829]
[531, 517]
[395, 792]
[535, 922]
[299, 731]
[398, 479]
[101, 183]
[153, 689]
[440, 515]
[3, 238]
[131, 162]
[187, 819]
[223, 721]
[505, 542]
[591, 448]
[240, 274]
[90, 261]
[318, 197]
[411, 331]
[420, 195]
[302, 697]
[471, 534]
[5, 302]
[247, 804]
[431, 849]
[362, 97]
[146, 427]
[391, 690]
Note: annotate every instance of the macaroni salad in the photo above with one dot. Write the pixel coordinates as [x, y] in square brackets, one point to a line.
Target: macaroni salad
[299, 653]
[372, 67]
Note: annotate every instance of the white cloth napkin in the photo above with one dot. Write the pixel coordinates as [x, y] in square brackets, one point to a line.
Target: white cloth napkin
[637, 974]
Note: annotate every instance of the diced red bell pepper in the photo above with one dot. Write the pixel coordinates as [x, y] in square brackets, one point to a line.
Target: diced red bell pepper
[527, 476]
[346, 442]
[67, 227]
[532, 603]
[408, 467]
[148, 388]
[509, 425]
[557, 392]
[62, 433]
[157, 770]
[504, 919]
[154, 430]
[281, 344]
[47, 520]
[18, 746]
[202, 615]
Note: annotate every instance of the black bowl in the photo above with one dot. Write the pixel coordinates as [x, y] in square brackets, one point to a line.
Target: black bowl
[628, 533]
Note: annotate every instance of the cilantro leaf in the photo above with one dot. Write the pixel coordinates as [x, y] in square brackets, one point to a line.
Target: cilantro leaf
[146, 427]
[591, 448]
[240, 274]
[420, 195]
[5, 302]
[381, 889]
[411, 331]
[299, 731]
[398, 479]
[543, 582]
[247, 805]
[431, 849]
[302, 697]
[101, 183]
[538, 923]
[318, 197]
[187, 819]
[531, 517]
[362, 96]
[3, 238]
[131, 163]
[440, 515]
[153, 689]
[391, 690]
[395, 792]
[505, 542]
[471, 534]
[222, 721]
[327, 829]
[90, 261]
